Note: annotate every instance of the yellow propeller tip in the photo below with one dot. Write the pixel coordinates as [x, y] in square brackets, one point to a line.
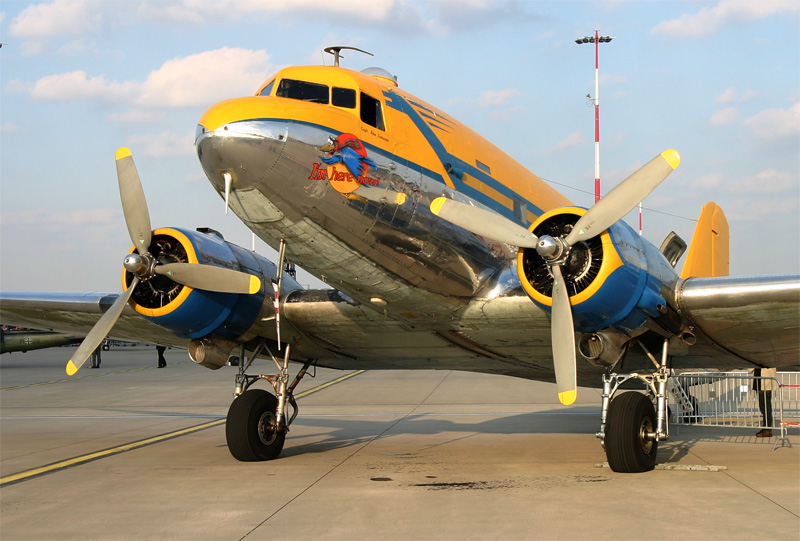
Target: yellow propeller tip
[436, 205]
[401, 198]
[255, 284]
[568, 397]
[71, 368]
[123, 152]
[672, 157]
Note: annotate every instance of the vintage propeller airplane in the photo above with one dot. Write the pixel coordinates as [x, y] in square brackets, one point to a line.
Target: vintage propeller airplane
[445, 254]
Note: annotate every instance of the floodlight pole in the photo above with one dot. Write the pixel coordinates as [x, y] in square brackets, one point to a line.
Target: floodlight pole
[596, 39]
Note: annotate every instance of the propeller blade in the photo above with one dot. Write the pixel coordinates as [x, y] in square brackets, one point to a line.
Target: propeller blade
[562, 334]
[100, 330]
[134, 204]
[210, 278]
[626, 195]
[483, 222]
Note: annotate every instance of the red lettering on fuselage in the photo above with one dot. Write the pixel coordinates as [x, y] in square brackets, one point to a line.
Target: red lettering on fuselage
[318, 173]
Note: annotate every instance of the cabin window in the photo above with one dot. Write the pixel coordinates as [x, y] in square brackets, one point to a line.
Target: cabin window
[371, 112]
[344, 97]
[301, 90]
[267, 89]
[520, 210]
[483, 167]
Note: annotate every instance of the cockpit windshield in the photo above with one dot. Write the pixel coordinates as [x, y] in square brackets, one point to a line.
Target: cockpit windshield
[302, 90]
[369, 110]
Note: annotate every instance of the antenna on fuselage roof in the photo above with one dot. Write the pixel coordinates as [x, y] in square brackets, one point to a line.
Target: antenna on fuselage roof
[336, 51]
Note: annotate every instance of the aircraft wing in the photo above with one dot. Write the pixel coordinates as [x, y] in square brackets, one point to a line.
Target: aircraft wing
[755, 318]
[739, 323]
[76, 313]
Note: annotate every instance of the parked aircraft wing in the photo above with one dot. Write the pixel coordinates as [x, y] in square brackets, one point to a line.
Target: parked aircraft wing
[77, 313]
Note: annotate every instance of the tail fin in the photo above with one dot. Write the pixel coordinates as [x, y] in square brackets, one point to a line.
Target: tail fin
[709, 250]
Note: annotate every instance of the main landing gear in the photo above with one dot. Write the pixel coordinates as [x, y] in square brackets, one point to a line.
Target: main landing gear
[631, 425]
[257, 424]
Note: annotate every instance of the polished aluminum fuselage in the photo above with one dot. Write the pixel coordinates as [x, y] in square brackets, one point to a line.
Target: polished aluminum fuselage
[417, 264]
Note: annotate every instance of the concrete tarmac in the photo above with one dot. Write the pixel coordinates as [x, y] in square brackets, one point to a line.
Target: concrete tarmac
[131, 451]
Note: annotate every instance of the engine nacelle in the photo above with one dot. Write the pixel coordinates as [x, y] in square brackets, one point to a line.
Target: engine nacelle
[615, 279]
[194, 313]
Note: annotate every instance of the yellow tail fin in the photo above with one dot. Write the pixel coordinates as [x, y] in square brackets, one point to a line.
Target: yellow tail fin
[709, 251]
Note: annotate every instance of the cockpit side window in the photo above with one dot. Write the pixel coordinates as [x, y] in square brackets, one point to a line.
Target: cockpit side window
[344, 97]
[371, 112]
[301, 90]
[267, 89]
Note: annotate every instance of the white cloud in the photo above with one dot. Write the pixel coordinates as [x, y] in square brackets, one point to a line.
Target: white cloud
[10, 127]
[46, 20]
[137, 116]
[201, 11]
[774, 124]
[574, 139]
[189, 81]
[77, 85]
[731, 96]
[37, 24]
[725, 116]
[504, 115]
[164, 144]
[747, 209]
[710, 19]
[205, 78]
[16, 86]
[498, 98]
[767, 181]
[47, 220]
[706, 182]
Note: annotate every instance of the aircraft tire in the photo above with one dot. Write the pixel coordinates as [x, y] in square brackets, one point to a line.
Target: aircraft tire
[247, 429]
[631, 417]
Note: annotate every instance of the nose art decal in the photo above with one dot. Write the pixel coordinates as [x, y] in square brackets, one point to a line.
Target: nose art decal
[347, 164]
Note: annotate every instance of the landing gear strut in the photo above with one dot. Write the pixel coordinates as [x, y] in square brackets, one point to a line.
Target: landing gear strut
[631, 426]
[256, 425]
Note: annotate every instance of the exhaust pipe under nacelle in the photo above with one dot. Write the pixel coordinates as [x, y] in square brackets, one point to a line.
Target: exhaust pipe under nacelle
[688, 337]
[603, 349]
[212, 351]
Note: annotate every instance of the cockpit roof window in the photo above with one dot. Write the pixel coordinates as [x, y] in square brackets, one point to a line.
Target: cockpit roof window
[302, 90]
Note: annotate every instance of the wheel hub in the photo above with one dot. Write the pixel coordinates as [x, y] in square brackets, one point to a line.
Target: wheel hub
[266, 428]
[646, 435]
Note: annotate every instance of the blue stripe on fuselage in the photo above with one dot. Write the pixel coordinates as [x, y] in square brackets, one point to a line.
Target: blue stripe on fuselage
[397, 102]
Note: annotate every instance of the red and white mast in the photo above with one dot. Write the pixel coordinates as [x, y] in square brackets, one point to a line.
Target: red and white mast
[597, 39]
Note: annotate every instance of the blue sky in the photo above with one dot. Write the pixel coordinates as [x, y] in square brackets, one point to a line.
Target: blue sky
[719, 81]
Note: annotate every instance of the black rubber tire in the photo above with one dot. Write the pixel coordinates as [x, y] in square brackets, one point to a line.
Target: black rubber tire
[628, 450]
[247, 429]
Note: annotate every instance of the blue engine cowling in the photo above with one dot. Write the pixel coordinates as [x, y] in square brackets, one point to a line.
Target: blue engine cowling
[194, 313]
[616, 279]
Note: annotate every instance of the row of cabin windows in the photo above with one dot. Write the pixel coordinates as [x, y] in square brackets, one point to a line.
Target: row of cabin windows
[340, 97]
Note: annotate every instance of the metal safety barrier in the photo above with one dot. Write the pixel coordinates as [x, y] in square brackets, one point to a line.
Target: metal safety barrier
[736, 399]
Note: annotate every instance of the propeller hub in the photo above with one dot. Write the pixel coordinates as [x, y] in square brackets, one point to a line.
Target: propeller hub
[141, 265]
[550, 248]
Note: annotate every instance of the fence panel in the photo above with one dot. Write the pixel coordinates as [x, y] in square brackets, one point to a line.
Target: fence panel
[730, 399]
